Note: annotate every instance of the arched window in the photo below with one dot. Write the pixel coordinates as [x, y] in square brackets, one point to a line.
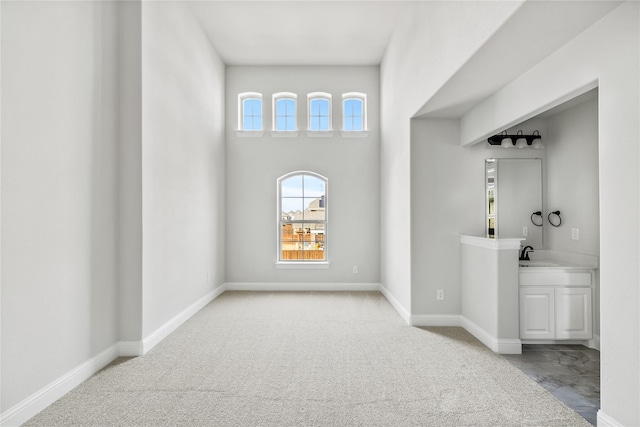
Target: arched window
[250, 111]
[302, 218]
[354, 112]
[284, 112]
[319, 108]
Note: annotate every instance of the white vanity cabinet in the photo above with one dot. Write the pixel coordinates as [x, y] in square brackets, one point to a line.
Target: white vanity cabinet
[556, 304]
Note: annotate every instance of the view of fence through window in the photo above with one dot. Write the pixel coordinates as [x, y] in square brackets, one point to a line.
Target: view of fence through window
[303, 218]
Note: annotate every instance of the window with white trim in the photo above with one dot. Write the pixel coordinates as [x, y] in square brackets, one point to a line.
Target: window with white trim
[354, 112]
[250, 111]
[319, 112]
[302, 218]
[284, 112]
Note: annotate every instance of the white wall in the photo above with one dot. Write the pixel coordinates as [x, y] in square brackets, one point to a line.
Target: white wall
[59, 190]
[447, 200]
[350, 164]
[183, 163]
[608, 53]
[416, 64]
[572, 177]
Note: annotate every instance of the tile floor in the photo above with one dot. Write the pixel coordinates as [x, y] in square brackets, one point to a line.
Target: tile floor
[570, 372]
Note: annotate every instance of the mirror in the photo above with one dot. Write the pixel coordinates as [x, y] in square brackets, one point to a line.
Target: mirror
[513, 190]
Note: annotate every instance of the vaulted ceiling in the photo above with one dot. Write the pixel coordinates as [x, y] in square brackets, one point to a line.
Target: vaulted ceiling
[299, 32]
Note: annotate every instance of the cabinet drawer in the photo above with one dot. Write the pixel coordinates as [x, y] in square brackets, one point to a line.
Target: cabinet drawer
[555, 278]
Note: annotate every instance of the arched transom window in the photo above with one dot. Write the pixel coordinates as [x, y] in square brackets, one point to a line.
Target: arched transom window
[319, 107]
[354, 112]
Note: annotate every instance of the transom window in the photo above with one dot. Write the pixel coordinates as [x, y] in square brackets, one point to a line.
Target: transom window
[284, 112]
[250, 111]
[302, 218]
[319, 111]
[354, 112]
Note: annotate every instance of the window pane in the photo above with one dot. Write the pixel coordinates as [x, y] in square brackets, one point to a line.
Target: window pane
[315, 107]
[247, 123]
[291, 242]
[313, 187]
[281, 123]
[291, 187]
[291, 123]
[313, 211]
[315, 123]
[293, 206]
[357, 123]
[324, 107]
[257, 122]
[324, 123]
[290, 107]
[356, 107]
[348, 123]
[348, 107]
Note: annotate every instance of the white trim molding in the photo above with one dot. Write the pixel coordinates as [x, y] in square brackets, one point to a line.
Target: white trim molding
[29, 407]
[163, 331]
[435, 320]
[402, 311]
[605, 420]
[497, 345]
[130, 348]
[300, 287]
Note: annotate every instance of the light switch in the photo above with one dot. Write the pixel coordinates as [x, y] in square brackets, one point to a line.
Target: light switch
[525, 231]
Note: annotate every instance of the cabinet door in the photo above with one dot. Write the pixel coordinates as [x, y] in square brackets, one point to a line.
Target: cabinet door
[573, 313]
[537, 313]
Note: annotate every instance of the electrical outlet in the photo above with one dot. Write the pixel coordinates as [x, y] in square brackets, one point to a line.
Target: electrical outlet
[575, 234]
[525, 231]
[355, 269]
[440, 294]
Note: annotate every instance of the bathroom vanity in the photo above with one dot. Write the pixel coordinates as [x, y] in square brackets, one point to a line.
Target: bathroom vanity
[556, 301]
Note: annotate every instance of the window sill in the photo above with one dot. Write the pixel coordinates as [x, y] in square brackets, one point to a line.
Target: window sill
[302, 265]
[355, 134]
[320, 133]
[249, 133]
[284, 133]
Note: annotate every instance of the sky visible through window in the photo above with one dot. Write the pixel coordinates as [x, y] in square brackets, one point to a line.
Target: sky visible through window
[319, 114]
[353, 115]
[252, 114]
[299, 191]
[285, 114]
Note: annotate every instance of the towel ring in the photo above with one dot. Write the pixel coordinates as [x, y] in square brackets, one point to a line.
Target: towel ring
[537, 213]
[556, 213]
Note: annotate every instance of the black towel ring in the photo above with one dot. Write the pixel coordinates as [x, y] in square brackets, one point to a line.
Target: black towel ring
[556, 213]
[537, 213]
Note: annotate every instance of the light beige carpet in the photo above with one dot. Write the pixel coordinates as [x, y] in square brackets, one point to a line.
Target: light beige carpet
[309, 359]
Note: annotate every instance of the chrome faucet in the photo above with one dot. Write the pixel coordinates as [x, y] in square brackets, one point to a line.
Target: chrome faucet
[524, 255]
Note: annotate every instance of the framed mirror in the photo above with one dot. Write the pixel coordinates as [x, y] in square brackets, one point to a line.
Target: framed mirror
[513, 194]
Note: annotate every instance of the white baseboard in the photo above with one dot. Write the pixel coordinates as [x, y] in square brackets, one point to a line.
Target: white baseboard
[130, 348]
[435, 320]
[163, 331]
[497, 345]
[38, 401]
[300, 287]
[594, 343]
[402, 311]
[606, 421]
